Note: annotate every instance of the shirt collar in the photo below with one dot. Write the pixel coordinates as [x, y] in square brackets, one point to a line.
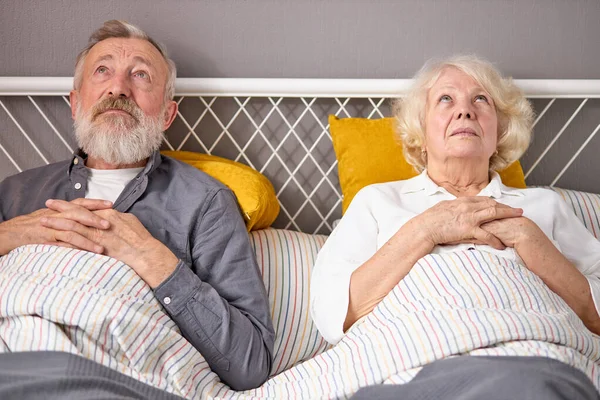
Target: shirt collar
[496, 188]
[79, 157]
[420, 183]
[423, 183]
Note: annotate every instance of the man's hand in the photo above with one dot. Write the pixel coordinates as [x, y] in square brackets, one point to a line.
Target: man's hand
[70, 216]
[129, 241]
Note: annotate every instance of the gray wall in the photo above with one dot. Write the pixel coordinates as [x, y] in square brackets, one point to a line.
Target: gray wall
[314, 38]
[310, 39]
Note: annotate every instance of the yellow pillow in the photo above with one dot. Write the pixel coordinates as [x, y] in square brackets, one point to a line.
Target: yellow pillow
[254, 192]
[367, 152]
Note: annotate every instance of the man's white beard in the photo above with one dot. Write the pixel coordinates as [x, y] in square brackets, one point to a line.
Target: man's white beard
[115, 138]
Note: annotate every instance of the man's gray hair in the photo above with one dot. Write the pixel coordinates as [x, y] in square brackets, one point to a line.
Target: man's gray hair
[122, 29]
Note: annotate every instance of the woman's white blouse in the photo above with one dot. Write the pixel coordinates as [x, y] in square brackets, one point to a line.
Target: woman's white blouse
[378, 211]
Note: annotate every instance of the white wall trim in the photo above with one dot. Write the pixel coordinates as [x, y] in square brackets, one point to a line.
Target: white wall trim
[271, 87]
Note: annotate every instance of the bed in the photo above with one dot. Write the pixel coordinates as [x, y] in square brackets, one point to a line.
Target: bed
[281, 128]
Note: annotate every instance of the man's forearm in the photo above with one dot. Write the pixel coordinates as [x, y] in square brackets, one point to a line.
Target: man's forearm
[4, 247]
[7, 238]
[231, 342]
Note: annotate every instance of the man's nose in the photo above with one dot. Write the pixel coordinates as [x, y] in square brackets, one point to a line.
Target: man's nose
[119, 87]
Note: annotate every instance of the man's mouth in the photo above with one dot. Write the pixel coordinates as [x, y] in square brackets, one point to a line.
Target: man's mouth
[115, 111]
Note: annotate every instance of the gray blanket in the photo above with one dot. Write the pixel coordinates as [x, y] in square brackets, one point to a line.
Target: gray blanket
[56, 375]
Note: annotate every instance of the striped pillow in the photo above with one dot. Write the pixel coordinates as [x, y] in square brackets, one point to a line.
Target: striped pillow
[586, 207]
[285, 259]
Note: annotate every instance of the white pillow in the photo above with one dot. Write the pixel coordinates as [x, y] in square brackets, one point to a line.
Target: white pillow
[585, 205]
[285, 259]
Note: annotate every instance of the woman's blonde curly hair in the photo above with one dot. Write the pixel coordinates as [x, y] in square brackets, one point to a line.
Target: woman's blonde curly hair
[515, 115]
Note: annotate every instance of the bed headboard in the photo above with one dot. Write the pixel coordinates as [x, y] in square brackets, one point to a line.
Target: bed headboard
[279, 127]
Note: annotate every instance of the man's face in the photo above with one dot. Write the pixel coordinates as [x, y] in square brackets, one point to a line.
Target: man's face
[120, 110]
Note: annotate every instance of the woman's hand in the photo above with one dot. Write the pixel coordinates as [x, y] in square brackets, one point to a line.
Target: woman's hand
[461, 220]
[540, 256]
[514, 232]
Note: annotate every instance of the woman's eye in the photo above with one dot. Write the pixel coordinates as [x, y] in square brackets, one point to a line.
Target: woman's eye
[445, 98]
[481, 97]
[101, 70]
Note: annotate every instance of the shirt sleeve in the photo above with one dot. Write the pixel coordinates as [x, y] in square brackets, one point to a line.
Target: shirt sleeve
[352, 242]
[225, 315]
[577, 244]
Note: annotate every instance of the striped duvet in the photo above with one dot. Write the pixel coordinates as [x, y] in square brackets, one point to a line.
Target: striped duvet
[459, 303]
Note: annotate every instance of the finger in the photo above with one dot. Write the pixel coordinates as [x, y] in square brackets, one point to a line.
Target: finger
[60, 223]
[88, 204]
[91, 235]
[79, 241]
[494, 213]
[466, 241]
[93, 204]
[60, 244]
[489, 239]
[75, 212]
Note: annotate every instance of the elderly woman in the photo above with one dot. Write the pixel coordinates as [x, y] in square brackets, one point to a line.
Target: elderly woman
[460, 124]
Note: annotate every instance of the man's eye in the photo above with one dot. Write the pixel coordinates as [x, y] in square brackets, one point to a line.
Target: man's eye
[445, 98]
[481, 97]
[141, 74]
[101, 70]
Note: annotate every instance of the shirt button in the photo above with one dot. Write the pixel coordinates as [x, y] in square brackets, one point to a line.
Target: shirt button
[78, 186]
[76, 161]
[167, 300]
[471, 248]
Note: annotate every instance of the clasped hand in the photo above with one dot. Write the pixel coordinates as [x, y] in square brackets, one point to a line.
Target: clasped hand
[476, 219]
[94, 226]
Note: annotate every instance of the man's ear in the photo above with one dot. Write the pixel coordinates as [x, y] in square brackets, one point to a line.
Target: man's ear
[170, 113]
[73, 101]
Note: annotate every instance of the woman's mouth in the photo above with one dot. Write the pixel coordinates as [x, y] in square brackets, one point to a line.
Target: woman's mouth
[463, 132]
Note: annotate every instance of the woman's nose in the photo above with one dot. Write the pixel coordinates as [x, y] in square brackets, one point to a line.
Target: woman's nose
[464, 110]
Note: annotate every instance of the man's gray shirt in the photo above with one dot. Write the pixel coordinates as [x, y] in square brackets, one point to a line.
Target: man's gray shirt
[216, 295]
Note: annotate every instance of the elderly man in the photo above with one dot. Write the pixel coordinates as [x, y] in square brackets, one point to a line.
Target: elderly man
[180, 230]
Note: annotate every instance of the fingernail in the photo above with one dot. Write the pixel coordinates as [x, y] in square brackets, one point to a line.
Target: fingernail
[44, 220]
[105, 223]
[107, 203]
[49, 201]
[98, 249]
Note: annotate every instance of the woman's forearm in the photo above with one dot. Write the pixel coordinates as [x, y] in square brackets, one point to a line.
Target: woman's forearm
[374, 279]
[562, 277]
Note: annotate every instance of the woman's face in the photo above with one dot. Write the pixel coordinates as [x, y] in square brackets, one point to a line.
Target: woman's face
[460, 120]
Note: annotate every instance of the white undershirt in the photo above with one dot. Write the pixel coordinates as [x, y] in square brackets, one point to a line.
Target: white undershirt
[107, 184]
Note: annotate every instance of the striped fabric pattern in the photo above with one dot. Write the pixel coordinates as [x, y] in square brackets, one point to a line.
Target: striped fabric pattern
[455, 303]
[285, 259]
[450, 304]
[586, 206]
[58, 299]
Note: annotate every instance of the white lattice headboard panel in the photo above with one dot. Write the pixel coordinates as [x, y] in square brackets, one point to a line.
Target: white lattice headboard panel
[279, 127]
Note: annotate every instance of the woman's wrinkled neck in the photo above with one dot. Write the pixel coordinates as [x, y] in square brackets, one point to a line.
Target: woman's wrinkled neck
[460, 177]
